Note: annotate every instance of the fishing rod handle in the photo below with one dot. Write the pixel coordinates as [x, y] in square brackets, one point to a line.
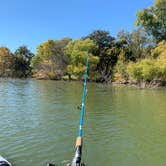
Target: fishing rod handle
[79, 141]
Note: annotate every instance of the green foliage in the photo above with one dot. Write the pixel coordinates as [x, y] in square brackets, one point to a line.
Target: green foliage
[107, 51]
[76, 51]
[160, 50]
[120, 73]
[6, 62]
[102, 39]
[153, 20]
[150, 68]
[144, 70]
[135, 44]
[22, 62]
[50, 61]
[160, 53]
[133, 47]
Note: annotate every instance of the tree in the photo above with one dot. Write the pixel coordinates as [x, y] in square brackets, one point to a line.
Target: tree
[151, 68]
[76, 51]
[159, 53]
[6, 62]
[120, 73]
[50, 61]
[107, 51]
[102, 39]
[153, 20]
[144, 70]
[135, 44]
[159, 50]
[23, 58]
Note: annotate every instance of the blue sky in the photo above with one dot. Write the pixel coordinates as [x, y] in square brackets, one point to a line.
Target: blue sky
[30, 22]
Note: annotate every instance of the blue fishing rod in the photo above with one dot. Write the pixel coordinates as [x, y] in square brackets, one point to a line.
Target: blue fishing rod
[79, 141]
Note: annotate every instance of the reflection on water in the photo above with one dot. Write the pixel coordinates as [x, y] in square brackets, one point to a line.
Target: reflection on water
[123, 126]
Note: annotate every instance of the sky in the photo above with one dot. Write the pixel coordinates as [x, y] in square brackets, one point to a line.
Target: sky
[30, 22]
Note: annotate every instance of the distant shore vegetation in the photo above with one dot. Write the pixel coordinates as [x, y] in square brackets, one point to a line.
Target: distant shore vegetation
[132, 57]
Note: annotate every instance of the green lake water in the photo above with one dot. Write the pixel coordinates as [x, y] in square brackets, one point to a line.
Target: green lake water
[123, 126]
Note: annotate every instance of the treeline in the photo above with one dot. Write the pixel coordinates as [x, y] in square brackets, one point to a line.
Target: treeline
[137, 56]
[15, 64]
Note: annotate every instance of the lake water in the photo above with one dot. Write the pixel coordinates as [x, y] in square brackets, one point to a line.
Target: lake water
[124, 126]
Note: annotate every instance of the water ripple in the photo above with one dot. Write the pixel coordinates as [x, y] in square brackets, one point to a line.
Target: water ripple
[39, 123]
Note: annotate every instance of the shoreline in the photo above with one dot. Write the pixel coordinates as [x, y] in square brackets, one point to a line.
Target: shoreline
[143, 84]
[140, 85]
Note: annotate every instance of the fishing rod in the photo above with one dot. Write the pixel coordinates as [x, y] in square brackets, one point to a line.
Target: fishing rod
[79, 140]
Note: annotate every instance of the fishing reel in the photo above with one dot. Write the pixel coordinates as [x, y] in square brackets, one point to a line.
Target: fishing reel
[77, 157]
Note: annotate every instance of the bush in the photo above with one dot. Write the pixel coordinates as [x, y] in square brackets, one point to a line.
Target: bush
[144, 70]
[160, 54]
[76, 51]
[120, 73]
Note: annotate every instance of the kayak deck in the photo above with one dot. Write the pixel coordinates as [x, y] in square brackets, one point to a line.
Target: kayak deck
[4, 162]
